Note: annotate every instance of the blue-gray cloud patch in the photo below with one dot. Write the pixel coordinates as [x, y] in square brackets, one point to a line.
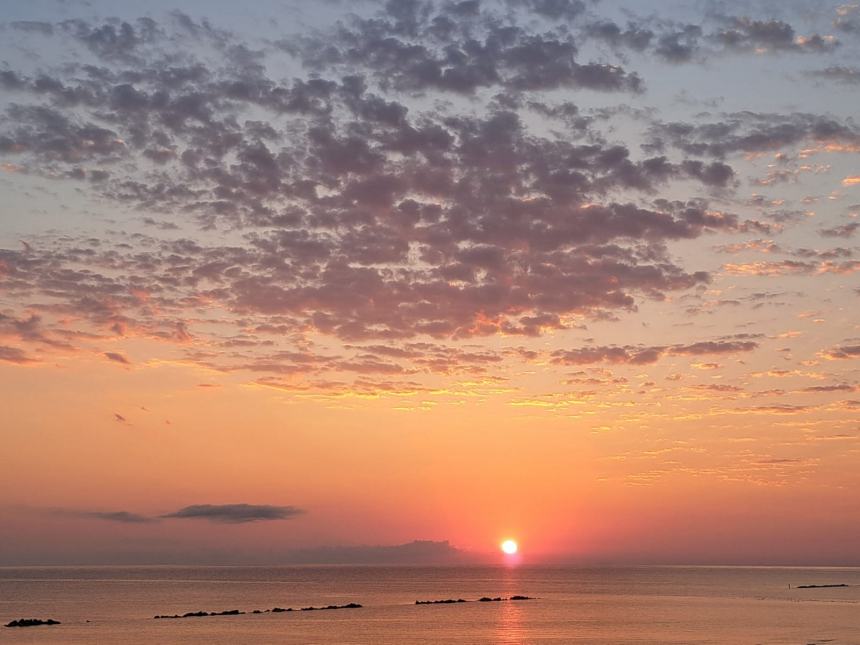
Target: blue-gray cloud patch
[235, 513]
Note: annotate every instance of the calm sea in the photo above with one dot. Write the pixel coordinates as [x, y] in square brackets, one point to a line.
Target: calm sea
[572, 605]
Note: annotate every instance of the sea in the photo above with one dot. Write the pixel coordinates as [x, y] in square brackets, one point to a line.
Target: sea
[720, 605]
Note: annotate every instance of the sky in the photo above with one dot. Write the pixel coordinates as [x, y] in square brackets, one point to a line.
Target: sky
[394, 281]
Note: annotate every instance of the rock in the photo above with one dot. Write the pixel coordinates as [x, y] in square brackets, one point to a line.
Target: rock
[448, 601]
[521, 598]
[32, 622]
[236, 612]
[352, 605]
[488, 599]
[200, 614]
[819, 586]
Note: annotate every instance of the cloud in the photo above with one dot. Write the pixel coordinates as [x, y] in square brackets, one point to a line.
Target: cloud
[745, 34]
[119, 418]
[416, 179]
[124, 517]
[15, 355]
[791, 267]
[842, 352]
[848, 18]
[839, 73]
[754, 132]
[840, 387]
[235, 513]
[843, 230]
[853, 180]
[674, 42]
[637, 355]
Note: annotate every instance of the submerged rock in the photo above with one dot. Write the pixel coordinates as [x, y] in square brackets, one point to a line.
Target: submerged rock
[521, 598]
[488, 599]
[448, 601]
[32, 622]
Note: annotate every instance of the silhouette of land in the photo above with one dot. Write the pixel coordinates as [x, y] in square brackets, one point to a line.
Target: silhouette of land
[32, 622]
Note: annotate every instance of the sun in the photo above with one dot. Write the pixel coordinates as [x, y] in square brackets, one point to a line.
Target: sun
[510, 547]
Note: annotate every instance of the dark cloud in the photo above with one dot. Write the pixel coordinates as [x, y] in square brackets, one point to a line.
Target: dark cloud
[843, 230]
[741, 33]
[680, 45]
[123, 517]
[847, 19]
[33, 26]
[674, 42]
[235, 513]
[638, 355]
[456, 190]
[364, 201]
[840, 387]
[554, 9]
[838, 73]
[15, 355]
[415, 47]
[114, 39]
[844, 351]
[750, 132]
[632, 37]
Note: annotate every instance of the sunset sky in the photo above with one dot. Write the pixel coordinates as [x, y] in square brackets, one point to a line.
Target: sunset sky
[279, 276]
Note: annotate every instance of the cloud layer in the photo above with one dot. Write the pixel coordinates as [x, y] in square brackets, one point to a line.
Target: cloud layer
[235, 513]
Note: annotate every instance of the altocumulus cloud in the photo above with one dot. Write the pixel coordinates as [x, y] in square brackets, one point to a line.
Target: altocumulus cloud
[418, 182]
[235, 513]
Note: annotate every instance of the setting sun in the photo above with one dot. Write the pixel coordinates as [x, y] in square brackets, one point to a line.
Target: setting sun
[510, 547]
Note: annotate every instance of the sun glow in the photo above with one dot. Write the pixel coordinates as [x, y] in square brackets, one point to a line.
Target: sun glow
[510, 547]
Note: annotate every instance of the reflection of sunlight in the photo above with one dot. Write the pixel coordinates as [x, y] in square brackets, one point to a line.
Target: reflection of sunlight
[509, 628]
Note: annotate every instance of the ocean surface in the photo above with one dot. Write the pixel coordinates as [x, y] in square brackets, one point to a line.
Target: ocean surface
[688, 605]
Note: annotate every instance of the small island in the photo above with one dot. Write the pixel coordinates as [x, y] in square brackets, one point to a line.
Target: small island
[32, 622]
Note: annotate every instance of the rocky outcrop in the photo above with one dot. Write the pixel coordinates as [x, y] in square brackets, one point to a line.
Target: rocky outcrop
[452, 601]
[200, 614]
[276, 610]
[351, 605]
[32, 622]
